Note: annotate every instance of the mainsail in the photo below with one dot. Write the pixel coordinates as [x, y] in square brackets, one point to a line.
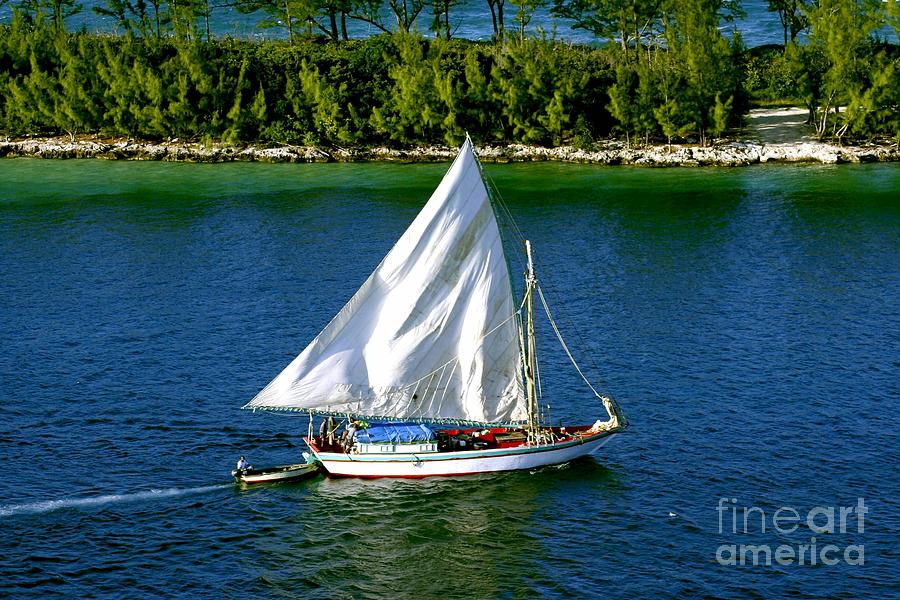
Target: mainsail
[431, 334]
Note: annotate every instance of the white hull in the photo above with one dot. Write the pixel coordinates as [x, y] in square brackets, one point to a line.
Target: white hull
[458, 463]
[276, 474]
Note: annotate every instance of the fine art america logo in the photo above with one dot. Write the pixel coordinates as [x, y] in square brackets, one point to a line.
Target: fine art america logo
[785, 520]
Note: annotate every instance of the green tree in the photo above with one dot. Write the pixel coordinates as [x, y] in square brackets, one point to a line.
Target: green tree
[184, 16]
[120, 10]
[189, 86]
[477, 109]
[134, 94]
[334, 117]
[413, 111]
[840, 30]
[333, 21]
[525, 10]
[290, 14]
[34, 97]
[633, 98]
[675, 117]
[630, 22]
[237, 117]
[406, 12]
[75, 108]
[792, 14]
[700, 68]
[534, 89]
[496, 8]
[805, 67]
[57, 11]
[369, 11]
[440, 22]
[135, 16]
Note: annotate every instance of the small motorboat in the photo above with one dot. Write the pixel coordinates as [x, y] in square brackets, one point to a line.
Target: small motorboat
[278, 474]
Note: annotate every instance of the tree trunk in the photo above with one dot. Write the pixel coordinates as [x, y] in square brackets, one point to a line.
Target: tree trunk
[823, 125]
[447, 17]
[290, 23]
[494, 18]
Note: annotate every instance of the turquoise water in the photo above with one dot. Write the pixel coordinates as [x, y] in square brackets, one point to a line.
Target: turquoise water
[746, 319]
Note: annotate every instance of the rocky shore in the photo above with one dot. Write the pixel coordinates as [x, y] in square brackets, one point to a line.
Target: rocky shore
[732, 153]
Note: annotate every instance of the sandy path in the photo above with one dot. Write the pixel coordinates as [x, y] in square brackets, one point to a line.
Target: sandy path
[778, 125]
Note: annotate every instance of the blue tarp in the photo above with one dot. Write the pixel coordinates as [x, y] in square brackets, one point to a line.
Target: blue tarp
[394, 433]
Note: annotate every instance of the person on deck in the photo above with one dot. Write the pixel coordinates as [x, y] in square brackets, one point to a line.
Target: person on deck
[331, 429]
[323, 431]
[349, 435]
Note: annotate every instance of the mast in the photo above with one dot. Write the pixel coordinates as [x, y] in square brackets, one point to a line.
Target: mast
[529, 348]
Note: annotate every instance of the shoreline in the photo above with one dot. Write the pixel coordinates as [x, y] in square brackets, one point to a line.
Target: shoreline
[727, 154]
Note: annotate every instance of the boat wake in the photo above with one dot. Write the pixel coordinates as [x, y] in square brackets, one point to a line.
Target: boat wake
[46, 506]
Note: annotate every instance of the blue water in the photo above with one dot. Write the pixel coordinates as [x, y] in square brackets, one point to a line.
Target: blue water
[746, 319]
[470, 19]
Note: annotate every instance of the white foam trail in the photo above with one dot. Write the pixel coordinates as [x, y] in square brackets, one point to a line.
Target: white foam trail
[51, 505]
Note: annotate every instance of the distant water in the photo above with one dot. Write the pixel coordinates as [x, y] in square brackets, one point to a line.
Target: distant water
[470, 19]
[747, 320]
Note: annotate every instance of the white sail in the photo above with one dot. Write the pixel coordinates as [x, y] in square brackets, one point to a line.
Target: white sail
[431, 334]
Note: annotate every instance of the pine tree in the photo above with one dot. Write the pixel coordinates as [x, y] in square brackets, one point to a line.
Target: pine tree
[700, 67]
[535, 89]
[840, 29]
[497, 18]
[75, 106]
[632, 23]
[525, 10]
[333, 115]
[792, 14]
[188, 88]
[413, 111]
[236, 118]
[290, 14]
[406, 12]
[440, 22]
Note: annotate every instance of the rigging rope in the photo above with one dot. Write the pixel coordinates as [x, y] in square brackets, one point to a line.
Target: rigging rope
[563, 342]
[511, 223]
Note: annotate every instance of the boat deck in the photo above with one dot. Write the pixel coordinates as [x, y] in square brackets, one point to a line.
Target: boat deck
[466, 439]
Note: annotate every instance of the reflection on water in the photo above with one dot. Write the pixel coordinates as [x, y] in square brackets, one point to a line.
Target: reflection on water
[381, 536]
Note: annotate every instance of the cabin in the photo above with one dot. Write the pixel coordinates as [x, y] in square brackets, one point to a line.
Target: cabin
[400, 438]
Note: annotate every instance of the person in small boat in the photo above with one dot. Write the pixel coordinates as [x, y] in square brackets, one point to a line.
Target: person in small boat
[242, 465]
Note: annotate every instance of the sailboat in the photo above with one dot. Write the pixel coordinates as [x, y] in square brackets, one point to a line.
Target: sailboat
[431, 369]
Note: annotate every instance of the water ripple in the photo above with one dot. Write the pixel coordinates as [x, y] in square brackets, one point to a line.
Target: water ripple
[745, 318]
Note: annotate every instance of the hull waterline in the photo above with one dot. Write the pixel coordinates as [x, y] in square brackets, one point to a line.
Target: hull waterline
[460, 462]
